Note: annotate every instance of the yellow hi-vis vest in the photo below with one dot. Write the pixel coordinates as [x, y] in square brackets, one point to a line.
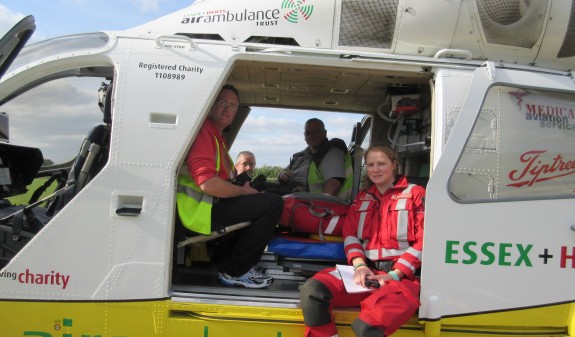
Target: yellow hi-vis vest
[194, 206]
[315, 179]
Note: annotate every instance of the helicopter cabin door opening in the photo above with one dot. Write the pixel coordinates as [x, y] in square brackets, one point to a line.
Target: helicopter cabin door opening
[394, 106]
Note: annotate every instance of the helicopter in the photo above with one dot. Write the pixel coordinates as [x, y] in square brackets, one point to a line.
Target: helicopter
[476, 96]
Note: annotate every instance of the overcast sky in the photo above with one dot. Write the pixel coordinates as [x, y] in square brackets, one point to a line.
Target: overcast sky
[61, 140]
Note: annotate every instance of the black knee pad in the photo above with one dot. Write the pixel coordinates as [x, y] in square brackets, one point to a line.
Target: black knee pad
[363, 329]
[315, 300]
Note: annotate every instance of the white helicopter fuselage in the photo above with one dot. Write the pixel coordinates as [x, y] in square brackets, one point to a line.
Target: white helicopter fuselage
[492, 133]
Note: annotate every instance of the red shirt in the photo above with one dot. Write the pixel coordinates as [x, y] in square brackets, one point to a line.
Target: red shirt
[202, 157]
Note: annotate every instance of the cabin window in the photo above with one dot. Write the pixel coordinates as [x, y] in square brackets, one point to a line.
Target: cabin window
[521, 147]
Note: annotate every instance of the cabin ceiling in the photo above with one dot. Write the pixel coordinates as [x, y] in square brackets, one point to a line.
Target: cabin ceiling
[313, 87]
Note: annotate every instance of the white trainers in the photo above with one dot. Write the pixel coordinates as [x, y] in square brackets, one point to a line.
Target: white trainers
[257, 272]
[252, 279]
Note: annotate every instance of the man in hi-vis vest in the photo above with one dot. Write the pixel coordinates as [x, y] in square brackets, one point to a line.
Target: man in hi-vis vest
[208, 200]
[325, 166]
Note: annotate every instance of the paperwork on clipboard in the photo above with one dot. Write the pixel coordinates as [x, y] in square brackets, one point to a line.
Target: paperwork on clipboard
[346, 273]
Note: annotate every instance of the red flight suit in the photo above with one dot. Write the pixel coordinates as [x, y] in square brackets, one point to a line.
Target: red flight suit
[378, 227]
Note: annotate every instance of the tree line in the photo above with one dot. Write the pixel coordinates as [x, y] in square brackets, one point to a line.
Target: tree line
[270, 172]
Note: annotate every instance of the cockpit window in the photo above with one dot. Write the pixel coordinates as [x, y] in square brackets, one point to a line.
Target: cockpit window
[68, 105]
[60, 45]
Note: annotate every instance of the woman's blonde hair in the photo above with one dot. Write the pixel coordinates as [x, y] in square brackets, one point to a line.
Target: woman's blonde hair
[389, 152]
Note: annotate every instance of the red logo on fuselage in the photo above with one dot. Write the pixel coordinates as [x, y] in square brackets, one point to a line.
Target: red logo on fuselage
[536, 170]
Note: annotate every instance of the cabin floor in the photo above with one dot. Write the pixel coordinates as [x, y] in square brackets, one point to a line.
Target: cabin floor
[201, 277]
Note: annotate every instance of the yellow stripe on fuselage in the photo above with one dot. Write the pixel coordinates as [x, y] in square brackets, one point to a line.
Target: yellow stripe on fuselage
[175, 319]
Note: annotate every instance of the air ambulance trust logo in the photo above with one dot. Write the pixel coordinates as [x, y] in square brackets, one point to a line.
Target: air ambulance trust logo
[293, 11]
[296, 9]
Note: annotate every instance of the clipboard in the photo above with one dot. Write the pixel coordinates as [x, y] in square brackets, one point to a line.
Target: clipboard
[346, 273]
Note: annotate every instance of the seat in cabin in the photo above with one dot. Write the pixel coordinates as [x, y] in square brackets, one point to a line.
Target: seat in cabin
[187, 240]
[360, 131]
[197, 238]
[93, 154]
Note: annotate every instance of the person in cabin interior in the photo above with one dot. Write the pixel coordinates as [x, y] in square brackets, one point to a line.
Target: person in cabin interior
[207, 199]
[323, 167]
[383, 241]
[245, 162]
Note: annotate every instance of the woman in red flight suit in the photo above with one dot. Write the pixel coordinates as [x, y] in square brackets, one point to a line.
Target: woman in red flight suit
[383, 240]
